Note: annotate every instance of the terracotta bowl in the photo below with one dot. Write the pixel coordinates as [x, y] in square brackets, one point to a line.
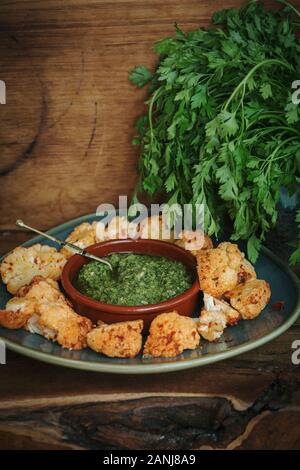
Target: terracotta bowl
[185, 303]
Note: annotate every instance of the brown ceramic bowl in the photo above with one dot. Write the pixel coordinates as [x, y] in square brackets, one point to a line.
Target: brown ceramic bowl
[185, 303]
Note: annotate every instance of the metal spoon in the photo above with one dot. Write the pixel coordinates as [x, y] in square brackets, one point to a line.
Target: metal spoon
[77, 249]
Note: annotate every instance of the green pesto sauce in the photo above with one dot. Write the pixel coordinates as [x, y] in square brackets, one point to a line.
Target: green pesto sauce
[136, 280]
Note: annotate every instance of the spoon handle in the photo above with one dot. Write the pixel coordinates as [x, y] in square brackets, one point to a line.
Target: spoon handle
[77, 249]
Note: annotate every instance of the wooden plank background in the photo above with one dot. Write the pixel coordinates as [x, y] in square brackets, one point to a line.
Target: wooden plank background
[66, 129]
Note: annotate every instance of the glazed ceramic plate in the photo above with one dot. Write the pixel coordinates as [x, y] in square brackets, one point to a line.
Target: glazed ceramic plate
[237, 339]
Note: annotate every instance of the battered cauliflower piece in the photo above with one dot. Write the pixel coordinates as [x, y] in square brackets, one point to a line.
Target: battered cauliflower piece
[82, 236]
[41, 308]
[216, 305]
[212, 324]
[215, 316]
[170, 334]
[42, 290]
[250, 298]
[17, 313]
[194, 241]
[23, 264]
[223, 268]
[59, 322]
[123, 339]
[246, 272]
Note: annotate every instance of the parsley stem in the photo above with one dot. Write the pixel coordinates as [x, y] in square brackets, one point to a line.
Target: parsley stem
[270, 158]
[154, 96]
[288, 4]
[137, 188]
[262, 116]
[251, 72]
[275, 128]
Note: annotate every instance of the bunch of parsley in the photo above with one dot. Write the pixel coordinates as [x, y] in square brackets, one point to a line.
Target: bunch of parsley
[221, 128]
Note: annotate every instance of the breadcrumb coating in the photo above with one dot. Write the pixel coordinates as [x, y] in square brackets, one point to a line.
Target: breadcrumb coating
[250, 298]
[223, 268]
[23, 264]
[123, 339]
[41, 308]
[170, 334]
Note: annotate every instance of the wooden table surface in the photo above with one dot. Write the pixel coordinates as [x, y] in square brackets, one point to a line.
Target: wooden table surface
[69, 117]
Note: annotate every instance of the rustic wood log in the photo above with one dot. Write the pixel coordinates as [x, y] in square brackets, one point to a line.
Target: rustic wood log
[141, 418]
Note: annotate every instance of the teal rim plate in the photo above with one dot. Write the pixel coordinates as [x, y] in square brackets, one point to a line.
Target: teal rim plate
[246, 335]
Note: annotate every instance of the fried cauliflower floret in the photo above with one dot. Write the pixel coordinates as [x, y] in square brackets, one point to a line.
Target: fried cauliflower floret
[17, 313]
[41, 308]
[246, 272]
[65, 326]
[82, 236]
[42, 290]
[212, 324]
[223, 268]
[194, 241]
[23, 264]
[250, 298]
[215, 316]
[123, 339]
[170, 334]
[212, 304]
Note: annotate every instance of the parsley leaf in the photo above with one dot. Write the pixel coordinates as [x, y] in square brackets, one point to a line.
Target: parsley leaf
[140, 76]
